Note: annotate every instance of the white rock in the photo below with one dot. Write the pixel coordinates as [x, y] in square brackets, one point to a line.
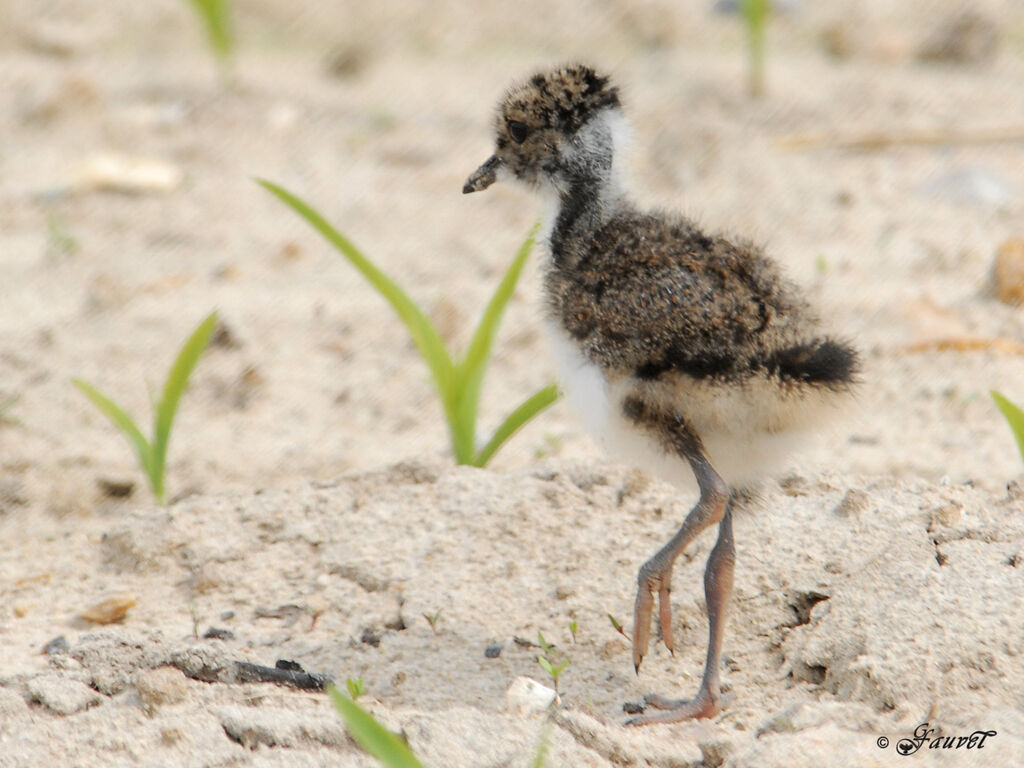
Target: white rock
[62, 695]
[527, 696]
[123, 173]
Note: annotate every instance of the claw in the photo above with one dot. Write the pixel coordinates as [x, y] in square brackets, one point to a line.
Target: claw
[642, 622]
[652, 580]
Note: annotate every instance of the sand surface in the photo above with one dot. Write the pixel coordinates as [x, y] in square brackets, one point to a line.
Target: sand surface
[314, 512]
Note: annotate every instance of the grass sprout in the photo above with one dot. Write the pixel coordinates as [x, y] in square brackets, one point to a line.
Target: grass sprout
[617, 626]
[373, 737]
[432, 619]
[216, 18]
[152, 454]
[574, 627]
[544, 645]
[392, 751]
[755, 19]
[356, 687]
[458, 381]
[553, 668]
[1014, 417]
[540, 753]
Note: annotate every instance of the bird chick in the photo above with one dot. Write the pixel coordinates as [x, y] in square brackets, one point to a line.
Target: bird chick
[687, 353]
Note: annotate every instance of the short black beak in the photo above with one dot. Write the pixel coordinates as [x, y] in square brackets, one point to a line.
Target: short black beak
[483, 176]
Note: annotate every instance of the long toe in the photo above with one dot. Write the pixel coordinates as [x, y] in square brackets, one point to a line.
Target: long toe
[665, 616]
[676, 710]
[642, 623]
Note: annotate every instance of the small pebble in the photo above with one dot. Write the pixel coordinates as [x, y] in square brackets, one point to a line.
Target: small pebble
[1008, 272]
[218, 633]
[945, 516]
[163, 685]
[223, 337]
[633, 707]
[971, 186]
[966, 38]
[492, 651]
[62, 695]
[57, 646]
[116, 489]
[527, 696]
[125, 174]
[854, 502]
[370, 638]
[109, 611]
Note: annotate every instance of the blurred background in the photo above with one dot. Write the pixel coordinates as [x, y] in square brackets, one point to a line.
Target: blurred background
[882, 163]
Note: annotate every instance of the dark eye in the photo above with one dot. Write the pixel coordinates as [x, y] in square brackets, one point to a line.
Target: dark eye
[518, 131]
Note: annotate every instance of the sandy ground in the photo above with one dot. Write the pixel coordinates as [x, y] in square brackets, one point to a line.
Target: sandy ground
[315, 514]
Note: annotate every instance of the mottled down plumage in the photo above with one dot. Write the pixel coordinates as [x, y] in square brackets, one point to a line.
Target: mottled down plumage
[651, 295]
[686, 353]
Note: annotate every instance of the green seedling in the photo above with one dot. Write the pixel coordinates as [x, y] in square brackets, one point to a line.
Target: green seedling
[555, 670]
[755, 19]
[356, 688]
[391, 751]
[152, 454]
[573, 629]
[1014, 417]
[433, 619]
[540, 753]
[373, 737]
[216, 18]
[458, 382]
[618, 626]
[544, 645]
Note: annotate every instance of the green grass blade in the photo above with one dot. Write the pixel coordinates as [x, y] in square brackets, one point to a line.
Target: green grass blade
[530, 408]
[424, 335]
[123, 422]
[174, 388]
[755, 15]
[216, 16]
[1014, 417]
[540, 754]
[471, 369]
[371, 735]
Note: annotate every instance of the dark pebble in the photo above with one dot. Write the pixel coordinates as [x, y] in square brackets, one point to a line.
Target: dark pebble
[632, 707]
[219, 633]
[370, 638]
[116, 489]
[56, 646]
[492, 651]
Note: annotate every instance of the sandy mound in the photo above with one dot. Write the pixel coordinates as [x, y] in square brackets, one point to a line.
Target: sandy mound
[827, 644]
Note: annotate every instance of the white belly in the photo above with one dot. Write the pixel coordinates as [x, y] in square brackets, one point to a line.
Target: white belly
[748, 430]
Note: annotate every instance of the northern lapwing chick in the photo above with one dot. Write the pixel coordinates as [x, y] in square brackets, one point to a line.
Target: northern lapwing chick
[687, 353]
